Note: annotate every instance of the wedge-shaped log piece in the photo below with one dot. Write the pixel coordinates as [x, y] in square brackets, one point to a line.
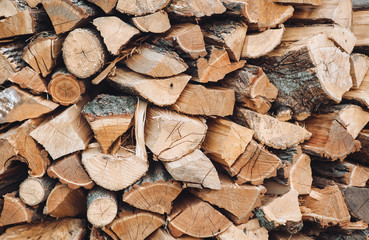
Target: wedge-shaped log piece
[309, 2]
[34, 191]
[33, 3]
[161, 92]
[300, 176]
[360, 23]
[154, 192]
[325, 206]
[10, 60]
[249, 9]
[250, 231]
[69, 170]
[157, 22]
[102, 207]
[196, 8]
[66, 15]
[272, 14]
[162, 234]
[113, 172]
[65, 133]
[196, 218]
[106, 5]
[140, 119]
[10, 7]
[109, 117]
[140, 7]
[357, 202]
[359, 68]
[170, 135]
[211, 101]
[362, 156]
[225, 141]
[361, 94]
[194, 170]
[29, 78]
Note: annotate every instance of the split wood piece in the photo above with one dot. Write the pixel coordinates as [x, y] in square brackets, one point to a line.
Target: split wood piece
[288, 236]
[211, 101]
[154, 192]
[196, 218]
[247, 198]
[360, 22]
[33, 3]
[228, 34]
[359, 68]
[140, 119]
[225, 141]
[360, 5]
[65, 202]
[12, 178]
[156, 62]
[272, 14]
[249, 9]
[133, 225]
[98, 234]
[17, 141]
[65, 133]
[33, 191]
[360, 95]
[113, 172]
[66, 15]
[15, 211]
[43, 52]
[259, 44]
[115, 32]
[65, 228]
[316, 77]
[81, 59]
[296, 2]
[252, 88]
[300, 175]
[10, 8]
[109, 117]
[156, 22]
[106, 5]
[69, 170]
[214, 66]
[161, 92]
[362, 156]
[250, 231]
[196, 8]
[344, 235]
[357, 202]
[64, 88]
[270, 131]
[194, 170]
[140, 7]
[325, 206]
[29, 78]
[162, 234]
[10, 60]
[102, 207]
[170, 135]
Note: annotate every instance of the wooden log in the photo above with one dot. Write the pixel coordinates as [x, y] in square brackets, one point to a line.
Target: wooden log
[102, 207]
[34, 191]
[288, 236]
[157, 22]
[140, 119]
[297, 2]
[300, 176]
[194, 170]
[362, 156]
[359, 24]
[33, 3]
[69, 170]
[250, 231]
[360, 5]
[252, 88]
[360, 95]
[161, 92]
[29, 78]
[162, 234]
[245, 8]
[154, 192]
[196, 8]
[140, 7]
[113, 172]
[356, 199]
[359, 67]
[66, 15]
[65, 133]
[106, 5]
[109, 117]
[170, 135]
[65, 202]
[98, 234]
[10, 60]
[10, 8]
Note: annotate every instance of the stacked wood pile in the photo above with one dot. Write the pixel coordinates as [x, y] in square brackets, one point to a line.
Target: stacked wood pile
[184, 119]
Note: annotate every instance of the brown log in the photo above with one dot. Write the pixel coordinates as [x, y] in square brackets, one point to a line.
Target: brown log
[10, 8]
[296, 2]
[34, 191]
[157, 22]
[357, 202]
[29, 78]
[106, 5]
[140, 7]
[162, 234]
[250, 231]
[362, 156]
[10, 60]
[247, 9]
[300, 176]
[360, 94]
[359, 24]
[359, 68]
[33, 3]
[102, 207]
[196, 8]
[98, 234]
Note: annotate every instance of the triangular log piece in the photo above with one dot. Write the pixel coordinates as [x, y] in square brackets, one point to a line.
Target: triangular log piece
[359, 68]
[162, 234]
[157, 22]
[362, 156]
[196, 8]
[250, 231]
[106, 5]
[140, 7]
[360, 23]
[9, 8]
[245, 8]
[361, 94]
[357, 202]
[300, 175]
[272, 14]
[102, 207]
[10, 60]
[29, 78]
[33, 191]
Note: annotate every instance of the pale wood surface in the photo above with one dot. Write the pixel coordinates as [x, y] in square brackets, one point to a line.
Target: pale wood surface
[33, 191]
[106, 5]
[162, 234]
[360, 23]
[249, 9]
[310, 2]
[361, 93]
[250, 231]
[359, 67]
[29, 78]
[10, 60]
[140, 7]
[157, 22]
[197, 8]
[300, 175]
[8, 8]
[102, 207]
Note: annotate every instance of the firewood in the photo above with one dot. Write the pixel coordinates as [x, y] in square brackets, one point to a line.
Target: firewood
[154, 192]
[252, 88]
[81, 59]
[359, 67]
[34, 191]
[157, 22]
[310, 2]
[162, 234]
[248, 9]
[225, 141]
[170, 135]
[66, 15]
[360, 94]
[65, 202]
[359, 24]
[196, 8]
[10, 60]
[33, 3]
[362, 156]
[356, 199]
[140, 7]
[161, 92]
[113, 172]
[109, 117]
[250, 231]
[69, 170]
[29, 78]
[102, 207]
[211, 101]
[98, 234]
[288, 236]
[9, 8]
[106, 5]
[140, 119]
[196, 218]
[300, 176]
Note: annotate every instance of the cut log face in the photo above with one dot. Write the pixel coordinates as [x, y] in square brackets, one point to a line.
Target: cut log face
[300, 175]
[140, 7]
[357, 202]
[102, 207]
[359, 67]
[157, 22]
[29, 78]
[196, 8]
[170, 135]
[360, 94]
[250, 231]
[33, 191]
[8, 8]
[162, 234]
[359, 25]
[248, 9]
[106, 5]
[310, 2]
[10, 60]
[272, 14]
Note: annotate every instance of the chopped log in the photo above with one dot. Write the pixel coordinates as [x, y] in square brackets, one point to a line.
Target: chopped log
[157, 22]
[288, 236]
[232, 232]
[102, 207]
[33, 3]
[248, 9]
[115, 32]
[359, 24]
[252, 88]
[140, 7]
[109, 117]
[65, 202]
[29, 78]
[300, 176]
[10, 60]
[98, 234]
[113, 172]
[106, 5]
[34, 191]
[81, 59]
[196, 8]
[66, 15]
[196, 218]
[250, 231]
[359, 67]
[162, 234]
[194, 170]
[228, 34]
[296, 2]
[259, 44]
[65, 133]
[211, 101]
[156, 62]
[362, 156]
[161, 92]
[357, 202]
[10, 8]
[69, 170]
[360, 94]
[272, 14]
[140, 119]
[170, 135]
[225, 141]
[43, 52]
[154, 192]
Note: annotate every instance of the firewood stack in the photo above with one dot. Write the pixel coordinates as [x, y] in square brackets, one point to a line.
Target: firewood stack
[184, 119]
